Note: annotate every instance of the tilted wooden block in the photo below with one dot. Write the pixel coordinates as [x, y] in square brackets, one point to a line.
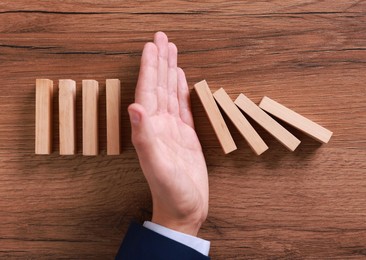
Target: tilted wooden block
[267, 122]
[44, 100]
[296, 120]
[67, 116]
[90, 90]
[245, 128]
[215, 117]
[113, 101]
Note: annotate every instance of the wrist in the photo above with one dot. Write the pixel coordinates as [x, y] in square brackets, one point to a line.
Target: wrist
[189, 226]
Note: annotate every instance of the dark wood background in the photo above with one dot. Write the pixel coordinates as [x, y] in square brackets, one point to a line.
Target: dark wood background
[308, 55]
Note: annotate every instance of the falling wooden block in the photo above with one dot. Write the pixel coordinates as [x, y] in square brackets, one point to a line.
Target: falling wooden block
[215, 117]
[44, 99]
[245, 128]
[67, 100]
[267, 122]
[90, 90]
[113, 101]
[296, 120]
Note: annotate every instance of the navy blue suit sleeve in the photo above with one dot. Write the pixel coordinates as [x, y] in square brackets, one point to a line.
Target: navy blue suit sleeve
[141, 243]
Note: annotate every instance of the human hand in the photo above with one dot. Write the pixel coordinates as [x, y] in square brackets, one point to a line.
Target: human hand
[163, 134]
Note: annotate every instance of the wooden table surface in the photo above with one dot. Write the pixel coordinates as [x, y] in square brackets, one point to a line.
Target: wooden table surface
[308, 55]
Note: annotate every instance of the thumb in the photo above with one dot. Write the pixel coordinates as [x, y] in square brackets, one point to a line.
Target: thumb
[142, 137]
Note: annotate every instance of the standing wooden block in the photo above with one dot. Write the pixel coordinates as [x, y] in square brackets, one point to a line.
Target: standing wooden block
[90, 91]
[267, 122]
[67, 102]
[245, 128]
[296, 120]
[113, 101]
[44, 99]
[215, 117]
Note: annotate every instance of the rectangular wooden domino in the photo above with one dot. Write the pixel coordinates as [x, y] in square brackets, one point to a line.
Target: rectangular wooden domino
[267, 122]
[113, 101]
[90, 92]
[44, 101]
[241, 123]
[296, 120]
[67, 103]
[215, 117]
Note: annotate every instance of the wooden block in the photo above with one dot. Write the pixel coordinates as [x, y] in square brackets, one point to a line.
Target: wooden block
[44, 100]
[296, 120]
[67, 116]
[267, 122]
[245, 128]
[90, 91]
[215, 117]
[113, 101]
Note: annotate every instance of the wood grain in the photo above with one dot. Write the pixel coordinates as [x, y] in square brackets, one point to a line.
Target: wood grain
[307, 204]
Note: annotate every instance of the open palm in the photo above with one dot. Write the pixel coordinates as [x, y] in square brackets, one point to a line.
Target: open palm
[165, 140]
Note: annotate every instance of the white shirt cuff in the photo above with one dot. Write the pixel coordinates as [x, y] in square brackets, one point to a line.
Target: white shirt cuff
[198, 244]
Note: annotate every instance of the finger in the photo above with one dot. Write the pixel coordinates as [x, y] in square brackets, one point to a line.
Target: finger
[142, 134]
[143, 139]
[161, 41]
[184, 99]
[146, 85]
[173, 107]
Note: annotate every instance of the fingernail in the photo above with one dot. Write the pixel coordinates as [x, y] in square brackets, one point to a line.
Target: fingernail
[134, 117]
